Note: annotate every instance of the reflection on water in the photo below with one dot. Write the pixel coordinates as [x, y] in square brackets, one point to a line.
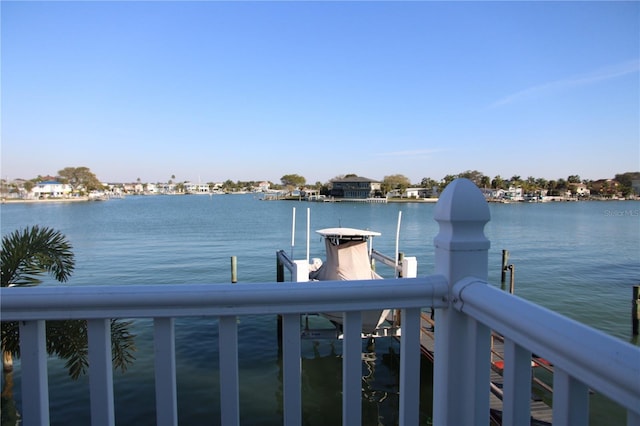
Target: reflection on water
[322, 383]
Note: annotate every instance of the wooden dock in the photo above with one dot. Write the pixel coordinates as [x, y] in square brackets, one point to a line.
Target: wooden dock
[541, 412]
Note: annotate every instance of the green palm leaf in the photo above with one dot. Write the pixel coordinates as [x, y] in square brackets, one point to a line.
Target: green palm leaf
[26, 255]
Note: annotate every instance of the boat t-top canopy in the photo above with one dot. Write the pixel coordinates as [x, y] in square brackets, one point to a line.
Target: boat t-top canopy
[347, 232]
[340, 235]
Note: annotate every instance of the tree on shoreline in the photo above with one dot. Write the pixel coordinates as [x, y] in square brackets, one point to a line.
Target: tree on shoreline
[395, 182]
[293, 181]
[78, 177]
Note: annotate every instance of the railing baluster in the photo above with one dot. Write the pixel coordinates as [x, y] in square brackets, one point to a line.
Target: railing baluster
[570, 399]
[410, 367]
[292, 365]
[352, 369]
[517, 384]
[633, 419]
[480, 358]
[165, 374]
[33, 355]
[229, 385]
[100, 372]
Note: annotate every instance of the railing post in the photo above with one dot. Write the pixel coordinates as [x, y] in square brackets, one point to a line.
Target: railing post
[229, 375]
[100, 372]
[34, 373]
[462, 350]
[164, 340]
[292, 366]
[352, 369]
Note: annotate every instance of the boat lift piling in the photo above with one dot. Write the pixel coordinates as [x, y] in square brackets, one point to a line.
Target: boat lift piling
[234, 269]
[398, 245]
[635, 310]
[512, 272]
[505, 262]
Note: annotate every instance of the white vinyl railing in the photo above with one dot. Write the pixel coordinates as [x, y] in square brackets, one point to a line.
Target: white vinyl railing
[466, 310]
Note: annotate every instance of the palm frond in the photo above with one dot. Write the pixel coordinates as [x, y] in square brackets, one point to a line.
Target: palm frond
[26, 254]
[68, 340]
[123, 344]
[33, 251]
[10, 334]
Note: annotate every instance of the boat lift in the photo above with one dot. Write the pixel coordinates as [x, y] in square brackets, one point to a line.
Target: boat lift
[318, 326]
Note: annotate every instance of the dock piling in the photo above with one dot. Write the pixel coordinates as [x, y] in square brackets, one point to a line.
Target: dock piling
[512, 279]
[279, 270]
[234, 269]
[505, 262]
[635, 309]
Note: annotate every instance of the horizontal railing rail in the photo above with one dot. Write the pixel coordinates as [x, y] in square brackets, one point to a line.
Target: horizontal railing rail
[165, 303]
[576, 351]
[145, 301]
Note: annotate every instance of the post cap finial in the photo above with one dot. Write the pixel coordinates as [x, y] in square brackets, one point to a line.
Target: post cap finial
[462, 213]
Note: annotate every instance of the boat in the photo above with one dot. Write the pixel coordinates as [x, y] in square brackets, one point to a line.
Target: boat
[348, 257]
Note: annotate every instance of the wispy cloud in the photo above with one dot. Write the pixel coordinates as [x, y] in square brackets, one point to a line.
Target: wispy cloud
[416, 153]
[608, 73]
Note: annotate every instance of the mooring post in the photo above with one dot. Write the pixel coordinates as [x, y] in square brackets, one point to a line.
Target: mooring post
[280, 279]
[512, 279]
[635, 309]
[505, 262]
[234, 270]
[279, 270]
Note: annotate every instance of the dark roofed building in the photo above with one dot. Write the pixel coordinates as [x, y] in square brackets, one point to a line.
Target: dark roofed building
[355, 187]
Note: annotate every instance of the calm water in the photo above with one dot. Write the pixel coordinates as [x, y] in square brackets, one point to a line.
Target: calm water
[579, 259]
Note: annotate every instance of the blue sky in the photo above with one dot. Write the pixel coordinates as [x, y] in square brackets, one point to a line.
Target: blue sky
[212, 91]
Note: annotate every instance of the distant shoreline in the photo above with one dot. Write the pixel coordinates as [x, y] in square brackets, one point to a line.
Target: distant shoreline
[45, 200]
[389, 200]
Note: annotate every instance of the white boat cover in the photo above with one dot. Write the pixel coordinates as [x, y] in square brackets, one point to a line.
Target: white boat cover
[348, 259]
[345, 261]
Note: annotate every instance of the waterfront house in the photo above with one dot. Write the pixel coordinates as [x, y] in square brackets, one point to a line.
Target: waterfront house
[355, 187]
[414, 193]
[607, 188]
[489, 193]
[580, 190]
[114, 189]
[167, 188]
[51, 188]
[493, 193]
[196, 188]
[152, 188]
[263, 186]
[310, 194]
[514, 193]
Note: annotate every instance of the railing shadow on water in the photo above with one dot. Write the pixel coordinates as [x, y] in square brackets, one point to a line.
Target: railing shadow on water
[466, 311]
